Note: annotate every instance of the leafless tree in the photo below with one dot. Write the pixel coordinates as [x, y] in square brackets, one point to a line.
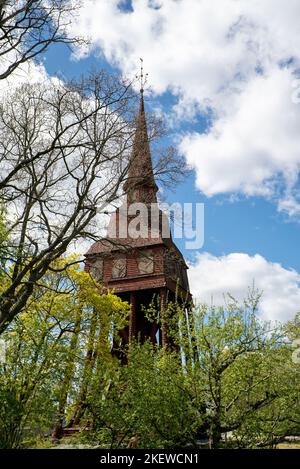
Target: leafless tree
[63, 158]
[62, 155]
[28, 27]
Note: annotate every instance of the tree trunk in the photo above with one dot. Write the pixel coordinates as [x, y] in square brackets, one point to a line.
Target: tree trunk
[63, 397]
[88, 367]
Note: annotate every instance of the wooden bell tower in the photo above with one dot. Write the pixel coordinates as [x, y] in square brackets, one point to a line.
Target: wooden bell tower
[143, 267]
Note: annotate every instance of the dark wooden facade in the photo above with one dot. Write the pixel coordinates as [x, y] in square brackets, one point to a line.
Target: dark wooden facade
[143, 269]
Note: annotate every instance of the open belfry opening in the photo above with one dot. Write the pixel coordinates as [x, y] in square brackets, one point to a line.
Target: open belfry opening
[146, 270]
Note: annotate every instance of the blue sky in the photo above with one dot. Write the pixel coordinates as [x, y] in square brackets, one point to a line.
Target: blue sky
[248, 224]
[224, 82]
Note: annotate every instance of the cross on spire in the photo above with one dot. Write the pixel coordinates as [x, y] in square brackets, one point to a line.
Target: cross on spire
[142, 77]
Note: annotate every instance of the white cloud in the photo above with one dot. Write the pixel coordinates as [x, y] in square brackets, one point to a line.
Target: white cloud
[211, 277]
[195, 47]
[185, 44]
[29, 72]
[290, 205]
[246, 150]
[226, 56]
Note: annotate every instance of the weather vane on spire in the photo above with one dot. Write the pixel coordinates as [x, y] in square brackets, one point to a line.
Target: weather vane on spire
[142, 77]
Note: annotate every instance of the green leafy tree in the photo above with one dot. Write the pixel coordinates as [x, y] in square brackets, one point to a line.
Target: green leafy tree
[145, 399]
[45, 350]
[226, 374]
[239, 370]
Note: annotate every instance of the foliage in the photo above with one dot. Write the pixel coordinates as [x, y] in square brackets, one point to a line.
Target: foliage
[242, 378]
[226, 376]
[41, 351]
[11, 411]
[145, 398]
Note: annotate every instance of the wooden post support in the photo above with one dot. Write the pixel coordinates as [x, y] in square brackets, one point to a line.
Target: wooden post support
[164, 334]
[132, 318]
[153, 332]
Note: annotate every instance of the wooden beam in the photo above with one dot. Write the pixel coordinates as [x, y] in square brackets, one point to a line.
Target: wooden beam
[132, 317]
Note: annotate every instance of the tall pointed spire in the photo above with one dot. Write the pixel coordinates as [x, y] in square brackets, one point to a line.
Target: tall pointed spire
[140, 185]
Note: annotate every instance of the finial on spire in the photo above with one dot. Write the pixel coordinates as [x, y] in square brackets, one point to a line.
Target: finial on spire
[142, 77]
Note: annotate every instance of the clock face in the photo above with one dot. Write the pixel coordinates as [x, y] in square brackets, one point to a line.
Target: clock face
[96, 269]
[119, 267]
[146, 262]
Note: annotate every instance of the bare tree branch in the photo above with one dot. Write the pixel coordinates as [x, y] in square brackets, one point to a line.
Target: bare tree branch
[29, 27]
[64, 154]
